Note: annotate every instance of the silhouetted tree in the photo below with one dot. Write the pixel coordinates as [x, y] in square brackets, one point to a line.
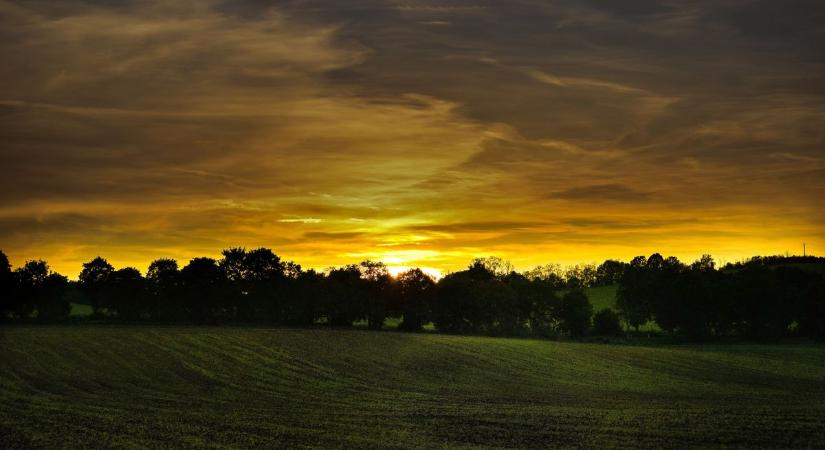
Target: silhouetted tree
[456, 309]
[705, 263]
[759, 302]
[494, 265]
[415, 294]
[575, 313]
[256, 283]
[266, 284]
[811, 311]
[762, 298]
[345, 302]
[634, 295]
[37, 289]
[52, 302]
[30, 279]
[693, 302]
[306, 297]
[499, 307]
[535, 303]
[127, 294]
[609, 272]
[164, 286]
[476, 301]
[551, 274]
[204, 289]
[664, 294]
[606, 323]
[7, 287]
[93, 279]
[378, 292]
[577, 277]
[543, 316]
[801, 262]
[232, 265]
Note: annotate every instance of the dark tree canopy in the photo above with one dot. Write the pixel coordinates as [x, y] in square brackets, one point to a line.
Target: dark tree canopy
[204, 288]
[575, 313]
[5, 266]
[7, 293]
[759, 299]
[164, 287]
[93, 277]
[609, 272]
[414, 298]
[30, 280]
[607, 323]
[33, 292]
[378, 290]
[52, 301]
[126, 291]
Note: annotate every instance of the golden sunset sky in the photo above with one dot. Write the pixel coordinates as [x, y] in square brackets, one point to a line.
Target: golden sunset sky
[420, 133]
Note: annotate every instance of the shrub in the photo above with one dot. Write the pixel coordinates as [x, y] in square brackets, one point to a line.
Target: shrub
[606, 323]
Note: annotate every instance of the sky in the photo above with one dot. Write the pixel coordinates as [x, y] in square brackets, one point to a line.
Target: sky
[417, 132]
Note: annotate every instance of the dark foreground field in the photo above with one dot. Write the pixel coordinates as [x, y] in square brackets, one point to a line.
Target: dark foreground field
[240, 387]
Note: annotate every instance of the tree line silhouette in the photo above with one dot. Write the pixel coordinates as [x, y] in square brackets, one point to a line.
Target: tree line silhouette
[763, 298]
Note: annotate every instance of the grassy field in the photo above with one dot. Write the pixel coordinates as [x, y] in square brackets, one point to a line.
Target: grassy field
[81, 310]
[602, 297]
[107, 386]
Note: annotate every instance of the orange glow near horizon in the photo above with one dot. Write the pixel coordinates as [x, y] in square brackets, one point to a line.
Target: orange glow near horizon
[333, 136]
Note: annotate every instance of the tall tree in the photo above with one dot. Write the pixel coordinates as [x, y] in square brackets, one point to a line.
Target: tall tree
[164, 286]
[345, 300]
[126, 289]
[415, 294]
[52, 304]
[378, 291]
[266, 286]
[204, 285]
[606, 323]
[633, 297]
[257, 283]
[306, 297]
[93, 279]
[7, 287]
[30, 279]
[609, 272]
[575, 313]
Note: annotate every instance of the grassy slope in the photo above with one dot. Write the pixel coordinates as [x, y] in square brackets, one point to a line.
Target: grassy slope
[81, 310]
[142, 386]
[602, 297]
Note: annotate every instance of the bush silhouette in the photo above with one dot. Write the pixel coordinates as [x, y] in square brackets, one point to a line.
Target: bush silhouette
[606, 323]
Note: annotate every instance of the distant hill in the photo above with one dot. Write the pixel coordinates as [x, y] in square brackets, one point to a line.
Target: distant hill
[809, 263]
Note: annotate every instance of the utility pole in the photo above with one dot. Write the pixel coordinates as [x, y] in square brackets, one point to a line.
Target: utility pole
[803, 249]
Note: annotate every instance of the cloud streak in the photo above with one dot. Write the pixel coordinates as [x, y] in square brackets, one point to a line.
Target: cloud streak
[421, 132]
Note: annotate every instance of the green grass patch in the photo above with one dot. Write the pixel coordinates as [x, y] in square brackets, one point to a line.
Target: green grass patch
[602, 297]
[219, 387]
[80, 310]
